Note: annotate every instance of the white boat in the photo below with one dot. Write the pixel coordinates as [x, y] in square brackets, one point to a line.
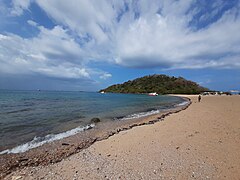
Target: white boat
[102, 92]
[153, 94]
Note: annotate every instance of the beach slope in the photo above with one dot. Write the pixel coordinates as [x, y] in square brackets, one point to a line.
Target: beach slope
[201, 142]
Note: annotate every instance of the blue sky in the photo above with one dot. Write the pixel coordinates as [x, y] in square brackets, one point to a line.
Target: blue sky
[88, 45]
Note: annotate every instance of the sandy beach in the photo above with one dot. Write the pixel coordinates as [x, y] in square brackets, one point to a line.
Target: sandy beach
[200, 142]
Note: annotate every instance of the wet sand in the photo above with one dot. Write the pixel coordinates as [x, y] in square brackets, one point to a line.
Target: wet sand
[201, 142]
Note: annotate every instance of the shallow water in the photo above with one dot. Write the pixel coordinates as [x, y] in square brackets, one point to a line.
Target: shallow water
[28, 115]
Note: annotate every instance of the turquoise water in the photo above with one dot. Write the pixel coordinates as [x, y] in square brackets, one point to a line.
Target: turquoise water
[28, 114]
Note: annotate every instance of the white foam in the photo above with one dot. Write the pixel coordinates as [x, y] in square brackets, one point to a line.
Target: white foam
[139, 115]
[144, 114]
[182, 103]
[39, 141]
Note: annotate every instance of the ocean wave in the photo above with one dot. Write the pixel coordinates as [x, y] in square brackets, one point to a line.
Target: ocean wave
[139, 115]
[39, 141]
[182, 103]
[17, 111]
[148, 113]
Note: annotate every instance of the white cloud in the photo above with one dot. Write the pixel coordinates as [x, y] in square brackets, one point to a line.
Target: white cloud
[133, 33]
[105, 76]
[83, 17]
[160, 37]
[53, 53]
[19, 6]
[163, 41]
[32, 23]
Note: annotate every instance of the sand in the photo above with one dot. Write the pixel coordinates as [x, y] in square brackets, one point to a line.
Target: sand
[201, 142]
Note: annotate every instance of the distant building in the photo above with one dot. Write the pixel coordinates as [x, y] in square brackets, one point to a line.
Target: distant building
[212, 93]
[234, 92]
[231, 92]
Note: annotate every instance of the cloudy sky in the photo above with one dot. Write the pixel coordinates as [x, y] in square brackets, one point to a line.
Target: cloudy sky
[90, 44]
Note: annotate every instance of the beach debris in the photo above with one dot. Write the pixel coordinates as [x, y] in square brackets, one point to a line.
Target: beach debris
[16, 177]
[65, 144]
[23, 159]
[131, 126]
[118, 130]
[95, 120]
[190, 135]
[177, 147]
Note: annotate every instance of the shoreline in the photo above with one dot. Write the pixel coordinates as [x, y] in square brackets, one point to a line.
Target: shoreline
[58, 150]
[201, 142]
[75, 125]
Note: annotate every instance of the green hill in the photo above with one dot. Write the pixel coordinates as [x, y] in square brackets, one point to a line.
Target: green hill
[161, 84]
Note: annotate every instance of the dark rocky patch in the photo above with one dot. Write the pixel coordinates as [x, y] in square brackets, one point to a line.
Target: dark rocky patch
[95, 120]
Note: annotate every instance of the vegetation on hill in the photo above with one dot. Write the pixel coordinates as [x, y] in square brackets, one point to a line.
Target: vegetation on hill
[161, 84]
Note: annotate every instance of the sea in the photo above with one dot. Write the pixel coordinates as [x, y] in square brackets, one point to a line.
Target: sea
[29, 119]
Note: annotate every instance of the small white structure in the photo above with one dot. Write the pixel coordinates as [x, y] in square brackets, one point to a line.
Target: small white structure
[234, 92]
[153, 94]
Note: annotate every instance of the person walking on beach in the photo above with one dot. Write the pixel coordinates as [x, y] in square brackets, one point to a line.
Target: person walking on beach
[199, 98]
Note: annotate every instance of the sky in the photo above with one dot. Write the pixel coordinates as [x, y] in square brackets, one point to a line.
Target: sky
[88, 45]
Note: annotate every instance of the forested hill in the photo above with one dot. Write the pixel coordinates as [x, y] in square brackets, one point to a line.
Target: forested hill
[161, 84]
